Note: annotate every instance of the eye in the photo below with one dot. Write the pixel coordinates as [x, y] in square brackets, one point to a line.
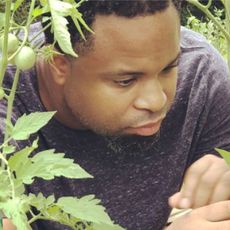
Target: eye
[125, 82]
[169, 68]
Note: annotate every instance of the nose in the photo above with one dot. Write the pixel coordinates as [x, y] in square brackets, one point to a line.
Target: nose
[151, 97]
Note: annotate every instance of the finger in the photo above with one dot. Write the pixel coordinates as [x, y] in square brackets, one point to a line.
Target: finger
[222, 189]
[178, 201]
[193, 175]
[208, 182]
[214, 212]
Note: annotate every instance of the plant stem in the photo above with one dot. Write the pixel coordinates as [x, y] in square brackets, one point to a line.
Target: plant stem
[10, 102]
[32, 5]
[209, 14]
[37, 217]
[2, 157]
[41, 31]
[227, 13]
[3, 64]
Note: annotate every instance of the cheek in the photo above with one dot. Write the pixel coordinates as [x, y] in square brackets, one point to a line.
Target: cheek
[169, 86]
[96, 102]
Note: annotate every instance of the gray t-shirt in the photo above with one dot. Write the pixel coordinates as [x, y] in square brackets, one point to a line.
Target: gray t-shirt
[135, 177]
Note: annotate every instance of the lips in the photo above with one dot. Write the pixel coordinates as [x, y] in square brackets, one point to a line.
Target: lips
[147, 129]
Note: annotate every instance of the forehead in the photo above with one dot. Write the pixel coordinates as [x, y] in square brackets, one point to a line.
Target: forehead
[136, 42]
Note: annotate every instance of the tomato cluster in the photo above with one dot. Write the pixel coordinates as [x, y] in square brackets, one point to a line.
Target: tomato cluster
[25, 58]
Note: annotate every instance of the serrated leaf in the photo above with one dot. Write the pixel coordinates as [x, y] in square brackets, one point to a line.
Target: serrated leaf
[29, 124]
[46, 165]
[38, 11]
[40, 202]
[15, 209]
[5, 188]
[51, 211]
[86, 208]
[61, 8]
[61, 33]
[225, 154]
[20, 159]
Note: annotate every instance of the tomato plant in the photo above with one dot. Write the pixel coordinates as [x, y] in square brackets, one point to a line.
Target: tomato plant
[2, 93]
[13, 43]
[25, 59]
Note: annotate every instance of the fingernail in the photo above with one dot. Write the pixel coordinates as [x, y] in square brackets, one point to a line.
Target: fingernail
[184, 203]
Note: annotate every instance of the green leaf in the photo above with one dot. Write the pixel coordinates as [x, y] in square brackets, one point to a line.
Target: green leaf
[38, 11]
[20, 159]
[225, 154]
[59, 25]
[8, 149]
[15, 209]
[86, 208]
[5, 188]
[40, 202]
[46, 165]
[29, 124]
[51, 211]
[61, 8]
[50, 164]
[17, 4]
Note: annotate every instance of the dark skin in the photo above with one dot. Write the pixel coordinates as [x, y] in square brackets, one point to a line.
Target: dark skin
[127, 80]
[125, 85]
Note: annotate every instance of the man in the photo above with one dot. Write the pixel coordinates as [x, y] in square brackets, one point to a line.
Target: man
[133, 118]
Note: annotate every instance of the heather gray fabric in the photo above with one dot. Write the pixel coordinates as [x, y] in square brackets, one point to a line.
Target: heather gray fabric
[135, 177]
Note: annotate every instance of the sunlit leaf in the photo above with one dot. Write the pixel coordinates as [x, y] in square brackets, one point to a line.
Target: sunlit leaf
[5, 188]
[29, 124]
[86, 208]
[225, 154]
[59, 25]
[46, 165]
[15, 209]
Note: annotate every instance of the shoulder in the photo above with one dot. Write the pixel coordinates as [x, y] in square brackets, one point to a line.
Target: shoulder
[201, 65]
[197, 54]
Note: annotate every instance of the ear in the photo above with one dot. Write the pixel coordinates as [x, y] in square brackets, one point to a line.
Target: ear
[60, 69]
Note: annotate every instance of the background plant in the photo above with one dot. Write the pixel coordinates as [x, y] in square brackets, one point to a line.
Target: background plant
[18, 167]
[219, 28]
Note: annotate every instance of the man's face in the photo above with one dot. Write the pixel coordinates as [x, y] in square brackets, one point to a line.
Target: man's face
[127, 82]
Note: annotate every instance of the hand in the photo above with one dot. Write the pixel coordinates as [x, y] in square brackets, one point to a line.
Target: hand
[211, 217]
[206, 181]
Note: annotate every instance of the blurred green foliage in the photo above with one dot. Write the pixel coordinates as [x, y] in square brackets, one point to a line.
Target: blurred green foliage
[208, 29]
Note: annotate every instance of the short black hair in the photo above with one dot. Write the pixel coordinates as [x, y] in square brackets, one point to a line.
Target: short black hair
[126, 8]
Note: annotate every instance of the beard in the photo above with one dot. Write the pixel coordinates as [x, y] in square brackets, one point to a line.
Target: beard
[132, 144]
[117, 140]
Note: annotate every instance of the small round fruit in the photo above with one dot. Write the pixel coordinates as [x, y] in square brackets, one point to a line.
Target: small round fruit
[2, 93]
[13, 43]
[25, 59]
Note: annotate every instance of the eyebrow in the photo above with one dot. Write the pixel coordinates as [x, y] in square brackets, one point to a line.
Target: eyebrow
[137, 73]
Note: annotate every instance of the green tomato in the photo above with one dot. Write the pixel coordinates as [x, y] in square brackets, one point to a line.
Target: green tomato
[2, 93]
[13, 43]
[25, 59]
